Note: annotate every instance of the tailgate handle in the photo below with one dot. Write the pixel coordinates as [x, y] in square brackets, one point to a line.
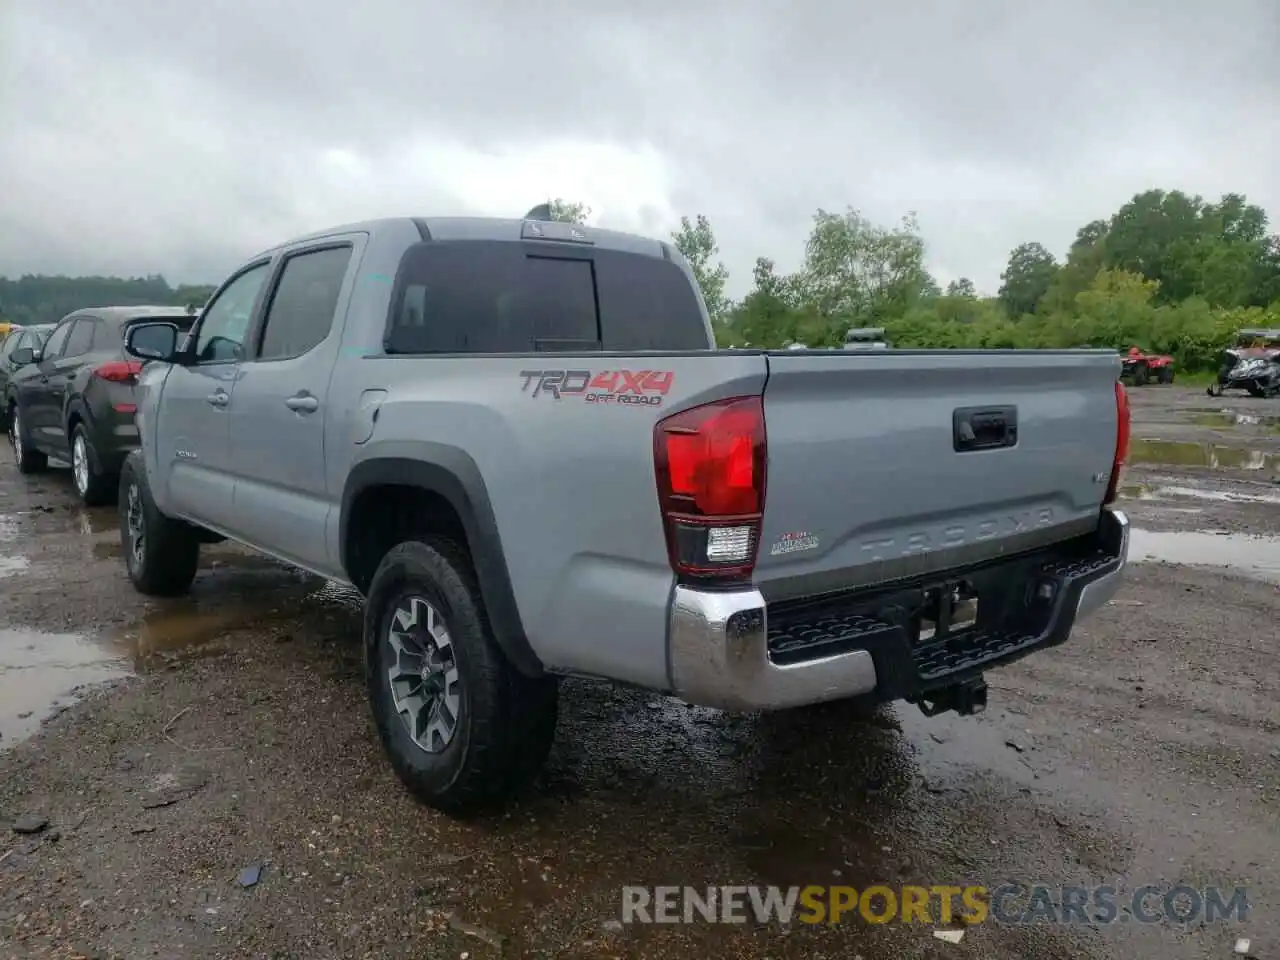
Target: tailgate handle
[984, 428]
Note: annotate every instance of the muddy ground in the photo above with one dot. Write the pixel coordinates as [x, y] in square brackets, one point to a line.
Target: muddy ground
[229, 731]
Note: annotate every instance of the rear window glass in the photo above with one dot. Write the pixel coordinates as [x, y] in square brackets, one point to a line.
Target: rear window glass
[507, 297]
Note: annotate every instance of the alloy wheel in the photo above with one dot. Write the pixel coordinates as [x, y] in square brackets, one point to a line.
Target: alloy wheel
[15, 436]
[137, 527]
[425, 687]
[80, 463]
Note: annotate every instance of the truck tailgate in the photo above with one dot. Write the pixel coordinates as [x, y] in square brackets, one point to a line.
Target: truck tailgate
[865, 480]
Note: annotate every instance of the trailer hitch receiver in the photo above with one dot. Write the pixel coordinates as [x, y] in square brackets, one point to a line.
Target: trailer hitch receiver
[965, 698]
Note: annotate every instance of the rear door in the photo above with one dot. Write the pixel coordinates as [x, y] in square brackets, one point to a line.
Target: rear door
[62, 377]
[278, 413]
[192, 418]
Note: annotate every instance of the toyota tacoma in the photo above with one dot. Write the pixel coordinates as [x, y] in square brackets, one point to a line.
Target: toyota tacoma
[517, 440]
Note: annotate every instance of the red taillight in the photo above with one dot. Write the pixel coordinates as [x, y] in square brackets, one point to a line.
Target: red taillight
[119, 371]
[710, 464]
[1122, 442]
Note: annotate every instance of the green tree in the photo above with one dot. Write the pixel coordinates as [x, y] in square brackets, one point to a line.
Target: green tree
[857, 273]
[569, 211]
[962, 288]
[697, 242]
[1026, 279]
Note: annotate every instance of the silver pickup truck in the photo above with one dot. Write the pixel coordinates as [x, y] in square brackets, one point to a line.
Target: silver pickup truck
[517, 440]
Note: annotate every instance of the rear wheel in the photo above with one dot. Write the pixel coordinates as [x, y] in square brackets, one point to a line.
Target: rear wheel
[94, 486]
[1166, 374]
[160, 553]
[462, 727]
[1139, 374]
[27, 457]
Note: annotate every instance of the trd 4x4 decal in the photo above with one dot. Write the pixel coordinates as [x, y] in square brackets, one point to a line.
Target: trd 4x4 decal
[645, 387]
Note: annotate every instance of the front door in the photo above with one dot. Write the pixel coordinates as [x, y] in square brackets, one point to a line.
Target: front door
[35, 387]
[280, 406]
[193, 414]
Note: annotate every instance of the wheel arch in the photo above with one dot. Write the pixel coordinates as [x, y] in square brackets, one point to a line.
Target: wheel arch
[439, 471]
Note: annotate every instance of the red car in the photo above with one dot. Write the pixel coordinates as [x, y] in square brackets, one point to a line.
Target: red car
[1140, 366]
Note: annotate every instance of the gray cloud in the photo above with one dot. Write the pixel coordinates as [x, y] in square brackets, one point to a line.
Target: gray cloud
[150, 137]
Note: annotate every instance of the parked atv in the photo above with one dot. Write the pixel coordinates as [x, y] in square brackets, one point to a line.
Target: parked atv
[1252, 365]
[1138, 367]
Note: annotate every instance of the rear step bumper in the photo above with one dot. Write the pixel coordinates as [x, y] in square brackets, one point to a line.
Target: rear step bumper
[729, 650]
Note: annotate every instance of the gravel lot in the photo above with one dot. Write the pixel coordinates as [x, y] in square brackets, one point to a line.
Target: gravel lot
[228, 731]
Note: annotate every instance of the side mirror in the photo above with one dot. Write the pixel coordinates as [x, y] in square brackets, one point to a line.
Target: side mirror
[22, 356]
[152, 341]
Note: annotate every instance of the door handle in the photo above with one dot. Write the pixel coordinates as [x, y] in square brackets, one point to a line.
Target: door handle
[303, 403]
[219, 398]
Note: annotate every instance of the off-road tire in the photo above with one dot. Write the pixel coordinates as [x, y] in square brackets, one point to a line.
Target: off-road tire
[1140, 375]
[102, 488]
[1166, 374]
[171, 548]
[26, 458]
[506, 721]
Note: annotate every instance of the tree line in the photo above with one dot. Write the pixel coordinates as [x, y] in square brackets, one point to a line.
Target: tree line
[35, 298]
[1168, 272]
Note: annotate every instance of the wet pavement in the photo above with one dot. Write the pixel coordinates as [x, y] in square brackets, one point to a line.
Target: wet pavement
[186, 740]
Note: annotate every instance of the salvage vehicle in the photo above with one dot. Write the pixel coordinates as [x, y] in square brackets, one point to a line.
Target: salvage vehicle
[71, 397]
[1252, 365]
[1139, 366]
[518, 441]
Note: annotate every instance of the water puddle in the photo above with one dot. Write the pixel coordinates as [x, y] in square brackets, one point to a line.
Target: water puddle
[12, 566]
[1166, 491]
[1252, 555]
[1236, 418]
[246, 596]
[1189, 454]
[39, 671]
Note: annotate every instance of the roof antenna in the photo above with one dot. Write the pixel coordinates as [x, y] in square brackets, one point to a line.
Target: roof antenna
[541, 212]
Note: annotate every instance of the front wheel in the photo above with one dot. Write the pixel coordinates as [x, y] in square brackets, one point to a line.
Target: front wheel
[462, 727]
[28, 458]
[1166, 374]
[160, 553]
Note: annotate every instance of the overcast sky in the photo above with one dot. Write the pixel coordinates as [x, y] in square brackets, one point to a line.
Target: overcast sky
[176, 137]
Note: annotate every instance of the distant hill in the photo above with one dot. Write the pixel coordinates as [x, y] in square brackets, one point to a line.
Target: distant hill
[47, 299]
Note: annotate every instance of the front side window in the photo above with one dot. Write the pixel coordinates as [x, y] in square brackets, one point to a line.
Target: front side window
[57, 340]
[220, 337]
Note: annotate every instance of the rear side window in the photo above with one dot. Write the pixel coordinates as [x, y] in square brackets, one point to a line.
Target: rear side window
[507, 297]
[492, 297]
[304, 303]
[81, 341]
[647, 304]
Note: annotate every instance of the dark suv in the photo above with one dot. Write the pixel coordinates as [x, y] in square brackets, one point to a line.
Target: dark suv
[32, 336]
[73, 397]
